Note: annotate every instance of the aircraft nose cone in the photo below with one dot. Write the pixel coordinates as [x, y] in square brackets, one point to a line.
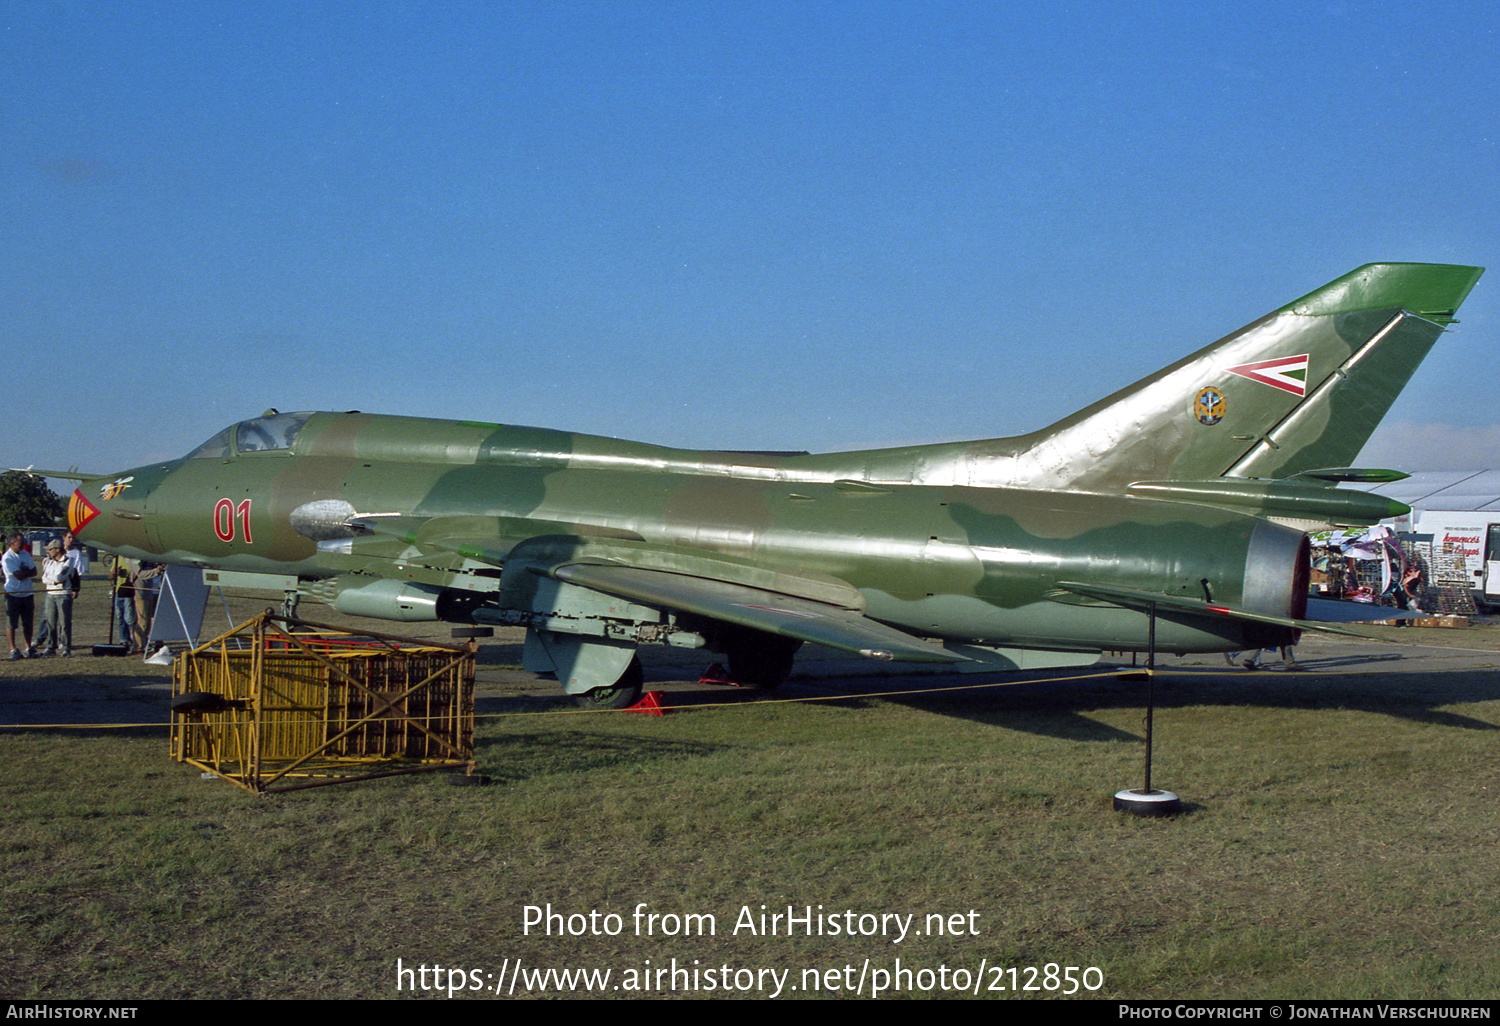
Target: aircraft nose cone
[80, 512]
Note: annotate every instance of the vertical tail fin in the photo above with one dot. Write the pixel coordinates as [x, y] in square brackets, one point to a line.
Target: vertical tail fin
[1392, 313]
[1300, 389]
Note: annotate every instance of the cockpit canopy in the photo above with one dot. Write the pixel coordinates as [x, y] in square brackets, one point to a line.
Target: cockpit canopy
[262, 434]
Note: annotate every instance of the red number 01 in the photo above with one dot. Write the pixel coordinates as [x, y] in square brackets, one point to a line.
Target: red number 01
[224, 513]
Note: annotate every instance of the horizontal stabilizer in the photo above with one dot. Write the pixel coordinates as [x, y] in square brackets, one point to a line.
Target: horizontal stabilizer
[818, 622]
[1137, 599]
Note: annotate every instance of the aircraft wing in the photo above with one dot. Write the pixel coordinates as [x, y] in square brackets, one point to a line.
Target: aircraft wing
[1326, 611]
[787, 615]
[794, 604]
[61, 475]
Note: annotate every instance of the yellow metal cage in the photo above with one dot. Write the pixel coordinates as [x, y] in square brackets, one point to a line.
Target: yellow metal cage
[278, 704]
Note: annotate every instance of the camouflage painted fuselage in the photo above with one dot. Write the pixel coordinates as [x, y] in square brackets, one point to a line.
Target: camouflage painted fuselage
[969, 565]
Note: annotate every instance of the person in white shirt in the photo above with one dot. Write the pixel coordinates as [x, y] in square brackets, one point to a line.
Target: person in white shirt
[61, 583]
[20, 607]
[77, 555]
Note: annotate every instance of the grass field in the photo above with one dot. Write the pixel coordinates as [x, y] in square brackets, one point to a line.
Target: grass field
[1340, 840]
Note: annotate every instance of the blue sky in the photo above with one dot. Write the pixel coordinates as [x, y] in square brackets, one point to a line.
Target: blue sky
[721, 225]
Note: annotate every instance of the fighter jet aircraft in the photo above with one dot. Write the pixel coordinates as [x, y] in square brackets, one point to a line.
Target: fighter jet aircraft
[1178, 503]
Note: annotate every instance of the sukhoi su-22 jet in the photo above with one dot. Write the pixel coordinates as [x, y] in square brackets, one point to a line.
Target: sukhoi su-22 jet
[1179, 502]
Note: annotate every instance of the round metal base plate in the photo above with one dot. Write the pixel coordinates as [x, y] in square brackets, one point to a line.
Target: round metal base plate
[1148, 803]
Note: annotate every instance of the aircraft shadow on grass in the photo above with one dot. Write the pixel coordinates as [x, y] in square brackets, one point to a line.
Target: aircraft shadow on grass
[1059, 708]
[83, 707]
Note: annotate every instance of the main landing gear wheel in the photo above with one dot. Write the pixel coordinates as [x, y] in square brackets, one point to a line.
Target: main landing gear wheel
[192, 702]
[622, 694]
[761, 660]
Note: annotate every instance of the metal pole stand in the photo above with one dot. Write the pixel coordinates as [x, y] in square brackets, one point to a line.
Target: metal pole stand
[1147, 801]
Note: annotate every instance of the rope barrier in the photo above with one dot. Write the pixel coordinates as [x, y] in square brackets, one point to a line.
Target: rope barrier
[762, 702]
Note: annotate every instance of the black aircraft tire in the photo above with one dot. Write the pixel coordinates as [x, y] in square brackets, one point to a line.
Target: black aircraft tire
[761, 660]
[622, 694]
[199, 702]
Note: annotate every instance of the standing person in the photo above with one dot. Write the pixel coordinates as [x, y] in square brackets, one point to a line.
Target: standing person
[78, 557]
[61, 583]
[46, 641]
[1288, 659]
[20, 607]
[145, 600]
[122, 583]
